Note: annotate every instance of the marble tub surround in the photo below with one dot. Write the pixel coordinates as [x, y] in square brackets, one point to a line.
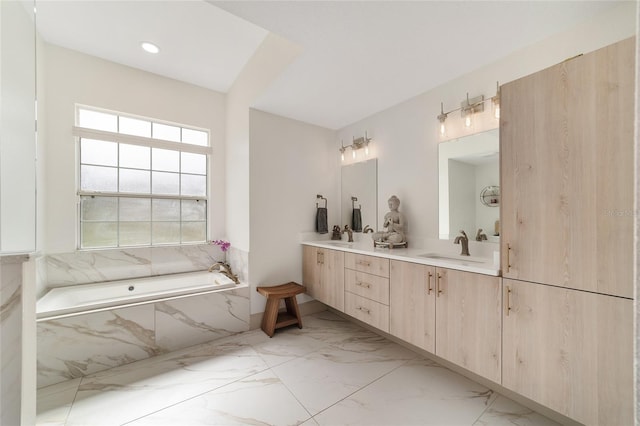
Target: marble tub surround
[89, 266]
[84, 344]
[358, 378]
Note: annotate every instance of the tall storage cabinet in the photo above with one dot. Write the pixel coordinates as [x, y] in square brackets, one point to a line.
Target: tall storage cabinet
[566, 146]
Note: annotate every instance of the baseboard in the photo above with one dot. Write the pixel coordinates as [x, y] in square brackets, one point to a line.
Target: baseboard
[306, 308]
[545, 411]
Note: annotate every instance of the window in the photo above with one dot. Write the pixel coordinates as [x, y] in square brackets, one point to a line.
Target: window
[142, 182]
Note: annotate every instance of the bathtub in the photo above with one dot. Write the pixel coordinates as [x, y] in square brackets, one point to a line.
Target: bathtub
[73, 300]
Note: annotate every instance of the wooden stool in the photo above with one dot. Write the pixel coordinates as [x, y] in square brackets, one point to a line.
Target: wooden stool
[272, 319]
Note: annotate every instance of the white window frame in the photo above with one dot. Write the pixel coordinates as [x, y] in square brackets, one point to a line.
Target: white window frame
[87, 133]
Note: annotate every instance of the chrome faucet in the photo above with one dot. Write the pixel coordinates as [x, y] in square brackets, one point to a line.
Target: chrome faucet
[366, 229]
[349, 232]
[225, 269]
[480, 236]
[464, 240]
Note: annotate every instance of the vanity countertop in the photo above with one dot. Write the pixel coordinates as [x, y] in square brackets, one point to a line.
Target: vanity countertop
[479, 265]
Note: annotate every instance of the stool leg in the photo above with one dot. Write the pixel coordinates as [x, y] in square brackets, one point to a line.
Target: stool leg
[270, 316]
[292, 309]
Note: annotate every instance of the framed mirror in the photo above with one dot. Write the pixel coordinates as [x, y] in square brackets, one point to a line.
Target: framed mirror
[360, 181]
[469, 179]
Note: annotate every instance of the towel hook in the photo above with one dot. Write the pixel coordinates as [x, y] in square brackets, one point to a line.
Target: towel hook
[318, 196]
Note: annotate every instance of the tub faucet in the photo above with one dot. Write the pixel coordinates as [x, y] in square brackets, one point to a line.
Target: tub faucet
[349, 232]
[366, 229]
[481, 236]
[464, 241]
[225, 269]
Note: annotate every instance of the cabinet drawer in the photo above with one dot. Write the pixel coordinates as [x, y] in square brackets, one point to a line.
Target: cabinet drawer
[373, 313]
[369, 264]
[367, 285]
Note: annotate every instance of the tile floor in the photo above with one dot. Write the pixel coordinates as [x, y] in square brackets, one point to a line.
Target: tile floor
[332, 372]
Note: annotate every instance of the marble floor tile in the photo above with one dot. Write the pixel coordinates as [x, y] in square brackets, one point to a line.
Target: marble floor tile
[330, 372]
[505, 412]
[144, 387]
[54, 402]
[418, 393]
[261, 399]
[322, 378]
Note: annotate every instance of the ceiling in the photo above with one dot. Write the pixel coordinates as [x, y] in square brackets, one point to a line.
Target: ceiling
[358, 58]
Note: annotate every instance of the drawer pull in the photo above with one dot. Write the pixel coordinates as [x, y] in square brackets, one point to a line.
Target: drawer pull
[508, 257]
[508, 300]
[438, 289]
[320, 258]
[363, 263]
[429, 289]
[365, 310]
[365, 285]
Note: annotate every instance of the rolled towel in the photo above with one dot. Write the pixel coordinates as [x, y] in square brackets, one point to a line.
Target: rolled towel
[322, 226]
[356, 220]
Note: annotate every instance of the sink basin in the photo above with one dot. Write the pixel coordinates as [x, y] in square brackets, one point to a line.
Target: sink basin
[464, 259]
[339, 243]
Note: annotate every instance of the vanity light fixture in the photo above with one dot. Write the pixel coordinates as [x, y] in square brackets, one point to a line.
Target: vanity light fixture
[149, 47]
[360, 143]
[442, 118]
[495, 103]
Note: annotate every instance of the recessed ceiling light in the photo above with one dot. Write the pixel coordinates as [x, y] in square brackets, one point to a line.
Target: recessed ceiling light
[149, 47]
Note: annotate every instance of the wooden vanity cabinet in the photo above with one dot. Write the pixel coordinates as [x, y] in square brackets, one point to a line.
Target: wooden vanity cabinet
[569, 350]
[468, 321]
[412, 316]
[454, 314]
[323, 275]
[367, 289]
[566, 147]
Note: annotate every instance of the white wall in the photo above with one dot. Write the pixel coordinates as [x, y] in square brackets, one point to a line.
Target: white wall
[406, 135]
[72, 77]
[17, 129]
[291, 162]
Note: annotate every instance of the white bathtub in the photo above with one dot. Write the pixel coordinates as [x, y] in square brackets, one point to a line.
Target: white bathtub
[80, 299]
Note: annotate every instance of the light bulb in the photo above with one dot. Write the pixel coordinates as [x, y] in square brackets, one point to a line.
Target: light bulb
[342, 155]
[443, 129]
[496, 110]
[366, 150]
[353, 153]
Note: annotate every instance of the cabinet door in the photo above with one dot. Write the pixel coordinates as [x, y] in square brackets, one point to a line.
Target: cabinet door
[570, 350]
[332, 278]
[311, 271]
[412, 303]
[566, 145]
[468, 321]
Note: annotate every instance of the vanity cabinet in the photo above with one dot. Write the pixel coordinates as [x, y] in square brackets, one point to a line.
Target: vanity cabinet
[367, 289]
[569, 350]
[468, 321]
[454, 314]
[413, 304]
[566, 145]
[323, 275]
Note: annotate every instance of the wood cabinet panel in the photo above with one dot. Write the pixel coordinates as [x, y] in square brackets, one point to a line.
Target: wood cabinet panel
[366, 310]
[369, 264]
[468, 321]
[569, 350]
[566, 146]
[323, 275]
[367, 285]
[412, 304]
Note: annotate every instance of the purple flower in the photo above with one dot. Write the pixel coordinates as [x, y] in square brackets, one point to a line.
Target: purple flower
[224, 245]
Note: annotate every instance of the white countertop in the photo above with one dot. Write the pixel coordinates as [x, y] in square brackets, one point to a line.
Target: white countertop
[479, 265]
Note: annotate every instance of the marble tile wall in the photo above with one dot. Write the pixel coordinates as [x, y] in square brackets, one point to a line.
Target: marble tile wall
[10, 338]
[84, 344]
[82, 267]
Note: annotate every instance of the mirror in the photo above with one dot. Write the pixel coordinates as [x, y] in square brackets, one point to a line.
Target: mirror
[360, 180]
[469, 179]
